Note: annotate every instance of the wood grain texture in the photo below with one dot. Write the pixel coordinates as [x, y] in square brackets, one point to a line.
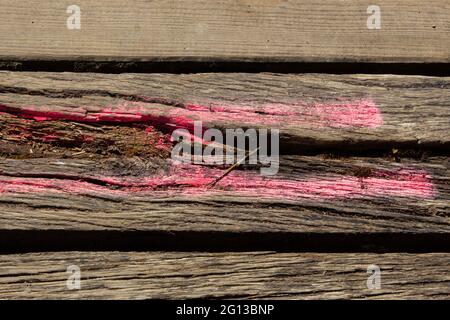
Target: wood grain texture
[276, 30]
[308, 195]
[340, 111]
[247, 275]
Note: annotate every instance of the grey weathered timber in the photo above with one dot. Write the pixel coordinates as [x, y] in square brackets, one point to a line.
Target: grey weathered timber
[214, 30]
[228, 275]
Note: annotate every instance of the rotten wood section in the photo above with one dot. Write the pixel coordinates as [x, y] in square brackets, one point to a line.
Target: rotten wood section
[346, 112]
[308, 195]
[256, 275]
[214, 30]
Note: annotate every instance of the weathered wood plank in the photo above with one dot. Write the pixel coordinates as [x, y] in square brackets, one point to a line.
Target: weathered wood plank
[315, 110]
[308, 195]
[276, 30]
[247, 275]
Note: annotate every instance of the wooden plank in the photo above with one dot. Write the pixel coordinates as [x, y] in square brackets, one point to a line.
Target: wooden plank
[247, 275]
[308, 195]
[347, 112]
[275, 30]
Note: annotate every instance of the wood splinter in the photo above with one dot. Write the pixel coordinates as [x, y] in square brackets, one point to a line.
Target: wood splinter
[234, 166]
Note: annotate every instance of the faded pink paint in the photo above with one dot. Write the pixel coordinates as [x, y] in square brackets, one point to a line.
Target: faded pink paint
[343, 114]
[190, 180]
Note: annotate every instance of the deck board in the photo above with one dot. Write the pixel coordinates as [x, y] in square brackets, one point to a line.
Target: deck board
[255, 275]
[205, 30]
[346, 112]
[308, 195]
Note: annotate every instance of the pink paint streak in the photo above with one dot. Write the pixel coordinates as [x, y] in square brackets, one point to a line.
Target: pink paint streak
[360, 113]
[346, 114]
[191, 181]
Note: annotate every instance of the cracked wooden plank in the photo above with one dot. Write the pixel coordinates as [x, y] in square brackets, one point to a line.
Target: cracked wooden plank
[246, 275]
[263, 30]
[346, 112]
[308, 195]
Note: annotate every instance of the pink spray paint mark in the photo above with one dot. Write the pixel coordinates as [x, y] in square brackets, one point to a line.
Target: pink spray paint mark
[346, 114]
[191, 181]
[108, 115]
[360, 113]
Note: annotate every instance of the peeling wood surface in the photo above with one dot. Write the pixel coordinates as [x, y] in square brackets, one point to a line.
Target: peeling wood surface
[275, 30]
[257, 275]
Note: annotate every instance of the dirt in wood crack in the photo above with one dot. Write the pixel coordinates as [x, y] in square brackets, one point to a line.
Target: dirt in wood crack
[25, 138]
